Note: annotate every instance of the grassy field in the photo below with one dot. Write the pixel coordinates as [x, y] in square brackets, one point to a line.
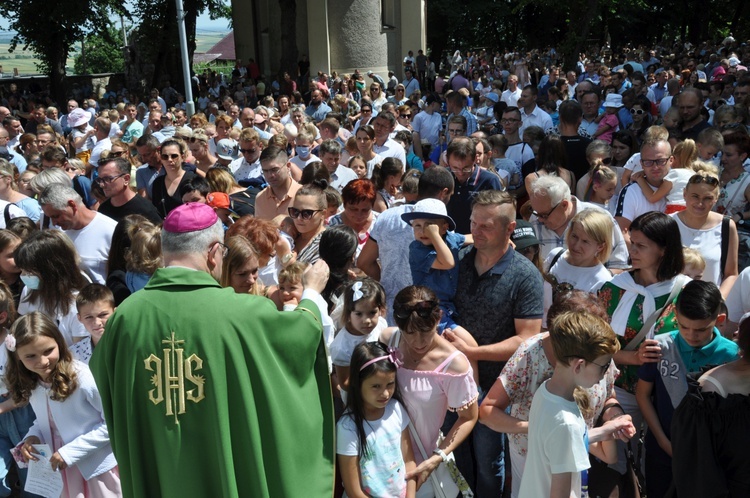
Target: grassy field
[25, 61]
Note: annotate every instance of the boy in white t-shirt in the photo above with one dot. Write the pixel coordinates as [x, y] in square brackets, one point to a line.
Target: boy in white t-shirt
[558, 439]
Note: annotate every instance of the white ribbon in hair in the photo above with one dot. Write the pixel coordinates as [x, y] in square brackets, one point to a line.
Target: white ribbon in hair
[357, 291]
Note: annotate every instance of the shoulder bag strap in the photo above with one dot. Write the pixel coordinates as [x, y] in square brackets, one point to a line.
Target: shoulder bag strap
[6, 214]
[434, 480]
[724, 245]
[554, 260]
[651, 320]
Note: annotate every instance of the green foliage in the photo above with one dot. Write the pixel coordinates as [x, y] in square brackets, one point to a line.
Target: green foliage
[51, 28]
[103, 53]
[575, 24]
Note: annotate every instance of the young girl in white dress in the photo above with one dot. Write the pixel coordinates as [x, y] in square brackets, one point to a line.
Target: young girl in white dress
[68, 408]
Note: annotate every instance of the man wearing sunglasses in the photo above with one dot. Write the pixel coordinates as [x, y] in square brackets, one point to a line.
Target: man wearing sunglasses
[553, 209]
[114, 179]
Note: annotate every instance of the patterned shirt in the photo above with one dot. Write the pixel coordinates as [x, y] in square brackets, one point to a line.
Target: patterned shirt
[488, 304]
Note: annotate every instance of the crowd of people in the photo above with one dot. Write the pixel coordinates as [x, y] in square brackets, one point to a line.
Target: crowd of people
[491, 278]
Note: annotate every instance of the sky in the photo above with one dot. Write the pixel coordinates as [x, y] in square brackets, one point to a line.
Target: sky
[204, 23]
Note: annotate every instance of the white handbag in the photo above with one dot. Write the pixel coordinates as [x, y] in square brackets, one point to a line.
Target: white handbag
[442, 478]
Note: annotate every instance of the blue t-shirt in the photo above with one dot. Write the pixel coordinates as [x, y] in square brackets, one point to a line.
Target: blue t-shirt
[442, 282]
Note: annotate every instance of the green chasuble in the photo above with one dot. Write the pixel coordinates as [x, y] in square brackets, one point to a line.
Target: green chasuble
[209, 393]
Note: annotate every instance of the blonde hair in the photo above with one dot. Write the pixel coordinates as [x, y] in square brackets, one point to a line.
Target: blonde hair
[292, 273]
[685, 153]
[597, 225]
[705, 168]
[19, 379]
[144, 255]
[693, 258]
[77, 164]
[240, 250]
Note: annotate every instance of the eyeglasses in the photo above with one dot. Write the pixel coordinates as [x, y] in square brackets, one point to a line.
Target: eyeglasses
[544, 216]
[404, 116]
[166, 157]
[305, 214]
[603, 368]
[225, 249]
[101, 180]
[508, 120]
[710, 180]
[637, 111]
[248, 151]
[271, 172]
[467, 169]
[649, 163]
[117, 154]
[423, 309]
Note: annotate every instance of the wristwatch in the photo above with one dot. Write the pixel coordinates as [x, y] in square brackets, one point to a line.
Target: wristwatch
[741, 221]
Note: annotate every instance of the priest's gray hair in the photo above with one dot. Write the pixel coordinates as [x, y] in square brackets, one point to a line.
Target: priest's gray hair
[550, 186]
[192, 242]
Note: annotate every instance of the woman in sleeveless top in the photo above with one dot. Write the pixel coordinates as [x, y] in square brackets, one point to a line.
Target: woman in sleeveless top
[701, 229]
[433, 378]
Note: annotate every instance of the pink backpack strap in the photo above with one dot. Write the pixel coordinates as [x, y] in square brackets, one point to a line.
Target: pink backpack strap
[444, 365]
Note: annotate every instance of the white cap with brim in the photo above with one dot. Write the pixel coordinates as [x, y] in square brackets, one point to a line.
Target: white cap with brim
[429, 209]
[227, 149]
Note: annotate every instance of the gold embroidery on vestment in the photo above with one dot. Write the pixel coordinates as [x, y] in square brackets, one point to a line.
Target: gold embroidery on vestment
[171, 372]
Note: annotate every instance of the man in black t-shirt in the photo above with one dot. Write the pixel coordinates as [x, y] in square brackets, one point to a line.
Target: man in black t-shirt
[114, 178]
[571, 114]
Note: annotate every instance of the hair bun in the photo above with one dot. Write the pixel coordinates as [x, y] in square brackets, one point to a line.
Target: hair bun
[320, 183]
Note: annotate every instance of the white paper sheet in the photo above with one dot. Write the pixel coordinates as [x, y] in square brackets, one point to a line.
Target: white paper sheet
[41, 479]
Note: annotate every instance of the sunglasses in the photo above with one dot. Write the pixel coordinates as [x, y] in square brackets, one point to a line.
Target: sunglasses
[248, 151]
[305, 214]
[117, 154]
[202, 138]
[404, 116]
[170, 156]
[101, 180]
[423, 309]
[710, 180]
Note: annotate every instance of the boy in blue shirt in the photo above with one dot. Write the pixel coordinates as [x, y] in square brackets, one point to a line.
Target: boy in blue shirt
[434, 253]
[662, 385]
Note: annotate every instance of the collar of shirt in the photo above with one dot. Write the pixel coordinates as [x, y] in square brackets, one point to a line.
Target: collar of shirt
[502, 264]
[706, 351]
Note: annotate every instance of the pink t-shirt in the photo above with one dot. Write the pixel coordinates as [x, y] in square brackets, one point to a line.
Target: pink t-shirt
[611, 121]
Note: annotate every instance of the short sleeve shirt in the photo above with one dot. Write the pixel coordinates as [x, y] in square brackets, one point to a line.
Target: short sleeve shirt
[442, 282]
[488, 304]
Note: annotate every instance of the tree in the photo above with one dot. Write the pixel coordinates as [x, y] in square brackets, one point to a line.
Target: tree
[102, 52]
[50, 29]
[155, 43]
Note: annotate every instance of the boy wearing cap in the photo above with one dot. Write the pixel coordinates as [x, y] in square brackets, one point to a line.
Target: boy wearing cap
[434, 253]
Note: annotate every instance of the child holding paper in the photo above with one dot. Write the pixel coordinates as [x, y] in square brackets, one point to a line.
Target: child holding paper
[66, 401]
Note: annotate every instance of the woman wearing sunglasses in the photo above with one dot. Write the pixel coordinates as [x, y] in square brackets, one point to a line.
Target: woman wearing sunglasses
[641, 117]
[166, 189]
[433, 378]
[308, 212]
[704, 230]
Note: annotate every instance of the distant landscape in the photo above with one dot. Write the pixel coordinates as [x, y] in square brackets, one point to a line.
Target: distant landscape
[25, 60]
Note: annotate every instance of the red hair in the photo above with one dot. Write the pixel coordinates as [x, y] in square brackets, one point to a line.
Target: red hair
[358, 191]
[261, 233]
